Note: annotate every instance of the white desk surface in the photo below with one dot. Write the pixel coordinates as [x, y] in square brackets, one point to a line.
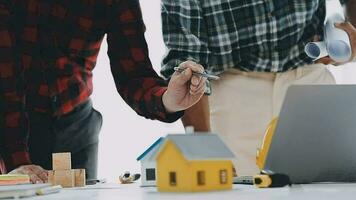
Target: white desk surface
[135, 192]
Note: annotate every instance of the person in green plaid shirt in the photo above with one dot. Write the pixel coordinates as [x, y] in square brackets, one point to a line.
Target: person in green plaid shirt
[257, 48]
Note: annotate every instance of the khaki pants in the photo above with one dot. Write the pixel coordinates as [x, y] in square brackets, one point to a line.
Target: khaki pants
[243, 103]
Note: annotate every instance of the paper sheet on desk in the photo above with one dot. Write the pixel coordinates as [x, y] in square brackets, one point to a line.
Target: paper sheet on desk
[22, 190]
[104, 186]
[336, 44]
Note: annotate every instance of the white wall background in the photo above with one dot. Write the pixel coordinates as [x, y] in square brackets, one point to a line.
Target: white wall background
[124, 134]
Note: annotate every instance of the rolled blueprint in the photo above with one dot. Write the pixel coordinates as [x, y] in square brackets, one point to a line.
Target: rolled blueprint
[336, 44]
[337, 40]
[316, 50]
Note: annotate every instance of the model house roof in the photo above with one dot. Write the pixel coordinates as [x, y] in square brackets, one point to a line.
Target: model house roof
[203, 146]
[151, 148]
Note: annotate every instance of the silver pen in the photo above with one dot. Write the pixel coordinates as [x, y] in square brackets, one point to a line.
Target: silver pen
[204, 74]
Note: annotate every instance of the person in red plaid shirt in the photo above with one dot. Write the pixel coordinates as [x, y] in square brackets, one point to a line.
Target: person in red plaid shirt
[48, 49]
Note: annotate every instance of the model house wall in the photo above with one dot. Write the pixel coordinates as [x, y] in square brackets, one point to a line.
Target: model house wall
[148, 173]
[177, 172]
[148, 164]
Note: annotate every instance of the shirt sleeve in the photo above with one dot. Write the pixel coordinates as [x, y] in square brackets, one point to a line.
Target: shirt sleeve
[135, 79]
[13, 120]
[14, 134]
[184, 34]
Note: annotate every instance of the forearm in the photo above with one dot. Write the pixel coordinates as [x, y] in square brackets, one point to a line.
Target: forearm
[198, 116]
[350, 11]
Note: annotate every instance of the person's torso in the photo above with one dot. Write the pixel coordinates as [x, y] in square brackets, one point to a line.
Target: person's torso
[53, 46]
[261, 35]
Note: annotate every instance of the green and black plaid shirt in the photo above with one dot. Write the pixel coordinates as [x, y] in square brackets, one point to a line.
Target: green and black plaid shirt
[251, 35]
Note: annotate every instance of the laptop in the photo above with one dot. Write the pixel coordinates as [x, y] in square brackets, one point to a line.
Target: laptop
[315, 138]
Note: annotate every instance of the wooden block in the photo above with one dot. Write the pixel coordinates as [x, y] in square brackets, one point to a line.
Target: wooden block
[51, 177]
[65, 178]
[80, 177]
[61, 161]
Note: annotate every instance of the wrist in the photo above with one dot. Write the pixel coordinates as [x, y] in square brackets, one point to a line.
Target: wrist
[16, 159]
[167, 103]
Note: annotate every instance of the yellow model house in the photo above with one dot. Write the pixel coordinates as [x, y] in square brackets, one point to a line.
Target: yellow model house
[193, 163]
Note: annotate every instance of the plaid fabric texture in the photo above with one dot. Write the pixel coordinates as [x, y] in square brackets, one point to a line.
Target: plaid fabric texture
[48, 49]
[251, 35]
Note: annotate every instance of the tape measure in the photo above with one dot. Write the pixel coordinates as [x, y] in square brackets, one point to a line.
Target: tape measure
[127, 178]
[271, 180]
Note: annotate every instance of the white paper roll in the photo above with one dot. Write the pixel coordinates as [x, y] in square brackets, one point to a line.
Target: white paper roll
[336, 45]
[337, 40]
[316, 50]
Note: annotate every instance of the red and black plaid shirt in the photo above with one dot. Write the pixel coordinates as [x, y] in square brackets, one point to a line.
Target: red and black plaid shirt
[48, 49]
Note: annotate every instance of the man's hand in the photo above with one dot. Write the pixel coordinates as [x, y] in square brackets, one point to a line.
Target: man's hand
[184, 89]
[37, 174]
[351, 31]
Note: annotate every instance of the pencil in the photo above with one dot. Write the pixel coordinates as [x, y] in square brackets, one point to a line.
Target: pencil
[204, 74]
